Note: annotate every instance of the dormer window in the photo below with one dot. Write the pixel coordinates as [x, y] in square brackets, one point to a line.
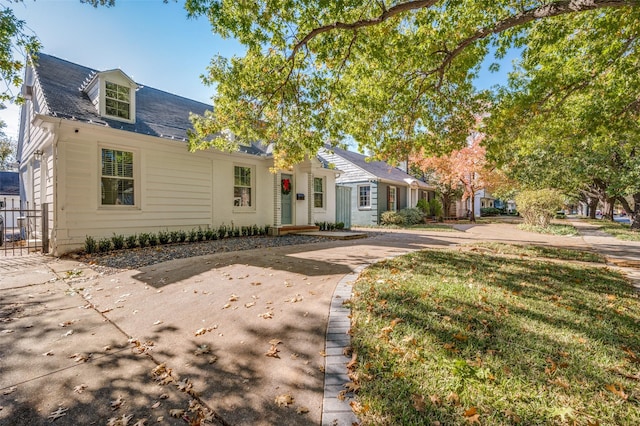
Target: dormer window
[113, 94]
[117, 100]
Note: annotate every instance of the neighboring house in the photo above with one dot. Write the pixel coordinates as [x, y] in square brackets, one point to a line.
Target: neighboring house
[110, 156]
[376, 186]
[9, 198]
[482, 199]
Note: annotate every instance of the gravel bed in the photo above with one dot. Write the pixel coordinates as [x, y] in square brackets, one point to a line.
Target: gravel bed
[115, 261]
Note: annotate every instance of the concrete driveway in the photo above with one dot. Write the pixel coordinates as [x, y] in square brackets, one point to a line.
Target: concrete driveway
[237, 338]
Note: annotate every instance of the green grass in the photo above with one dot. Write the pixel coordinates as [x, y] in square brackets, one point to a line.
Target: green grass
[552, 229]
[441, 334]
[539, 251]
[622, 231]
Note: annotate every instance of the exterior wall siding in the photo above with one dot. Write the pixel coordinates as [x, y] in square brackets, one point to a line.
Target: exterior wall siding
[175, 189]
[363, 216]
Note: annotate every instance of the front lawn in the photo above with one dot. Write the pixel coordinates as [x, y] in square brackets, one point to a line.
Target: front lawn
[621, 231]
[459, 337]
[552, 229]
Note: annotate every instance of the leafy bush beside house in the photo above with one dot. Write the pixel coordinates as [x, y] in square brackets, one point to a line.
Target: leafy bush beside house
[435, 207]
[538, 207]
[490, 211]
[391, 218]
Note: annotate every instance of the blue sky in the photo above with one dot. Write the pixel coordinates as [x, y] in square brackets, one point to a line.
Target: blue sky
[154, 43]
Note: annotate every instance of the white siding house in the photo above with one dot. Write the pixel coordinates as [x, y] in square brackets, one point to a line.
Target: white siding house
[109, 156]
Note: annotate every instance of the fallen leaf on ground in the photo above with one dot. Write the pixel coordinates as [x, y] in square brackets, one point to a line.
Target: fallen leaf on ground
[250, 304]
[141, 422]
[460, 337]
[435, 400]
[12, 389]
[157, 322]
[273, 352]
[453, 398]
[472, 411]
[302, 410]
[284, 400]
[202, 349]
[266, 315]
[61, 411]
[67, 323]
[7, 331]
[80, 388]
[155, 405]
[78, 357]
[618, 390]
[68, 333]
[184, 385]
[418, 402]
[233, 298]
[176, 412]
[120, 421]
[48, 353]
[117, 403]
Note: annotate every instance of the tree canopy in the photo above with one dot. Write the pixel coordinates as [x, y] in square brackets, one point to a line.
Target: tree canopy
[389, 75]
[16, 44]
[570, 118]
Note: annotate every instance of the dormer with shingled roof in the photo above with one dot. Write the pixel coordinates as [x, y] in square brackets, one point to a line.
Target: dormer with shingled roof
[113, 94]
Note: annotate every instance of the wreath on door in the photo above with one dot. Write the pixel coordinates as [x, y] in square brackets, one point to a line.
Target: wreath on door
[286, 186]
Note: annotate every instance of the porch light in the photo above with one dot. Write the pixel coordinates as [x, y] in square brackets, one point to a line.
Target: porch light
[38, 154]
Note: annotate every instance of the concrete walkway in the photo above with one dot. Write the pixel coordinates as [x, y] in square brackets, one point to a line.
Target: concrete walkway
[246, 338]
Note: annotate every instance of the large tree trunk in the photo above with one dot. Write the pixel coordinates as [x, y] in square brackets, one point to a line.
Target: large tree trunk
[472, 213]
[593, 206]
[609, 203]
[632, 212]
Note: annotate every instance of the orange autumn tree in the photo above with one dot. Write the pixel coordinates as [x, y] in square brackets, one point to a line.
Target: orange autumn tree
[463, 169]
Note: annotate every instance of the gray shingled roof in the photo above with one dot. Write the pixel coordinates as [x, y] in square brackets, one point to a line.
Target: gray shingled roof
[158, 113]
[379, 169]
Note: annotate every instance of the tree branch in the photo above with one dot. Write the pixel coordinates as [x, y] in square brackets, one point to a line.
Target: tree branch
[556, 8]
[385, 15]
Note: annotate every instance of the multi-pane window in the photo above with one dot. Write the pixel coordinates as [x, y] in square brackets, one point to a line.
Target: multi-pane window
[364, 196]
[117, 100]
[117, 178]
[392, 200]
[318, 192]
[242, 186]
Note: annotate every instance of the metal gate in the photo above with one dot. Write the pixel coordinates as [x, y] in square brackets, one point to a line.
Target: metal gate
[343, 205]
[24, 228]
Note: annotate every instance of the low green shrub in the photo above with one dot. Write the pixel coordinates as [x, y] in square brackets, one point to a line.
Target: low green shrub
[391, 218]
[490, 211]
[143, 239]
[118, 241]
[164, 237]
[90, 245]
[104, 245]
[132, 241]
[153, 240]
[412, 216]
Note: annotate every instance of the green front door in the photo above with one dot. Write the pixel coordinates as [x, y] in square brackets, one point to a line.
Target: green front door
[286, 205]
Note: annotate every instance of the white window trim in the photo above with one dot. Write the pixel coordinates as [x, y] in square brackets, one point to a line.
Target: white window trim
[103, 99]
[254, 195]
[137, 192]
[358, 195]
[324, 194]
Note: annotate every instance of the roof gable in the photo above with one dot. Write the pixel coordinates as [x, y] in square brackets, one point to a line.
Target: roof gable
[157, 113]
[376, 169]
